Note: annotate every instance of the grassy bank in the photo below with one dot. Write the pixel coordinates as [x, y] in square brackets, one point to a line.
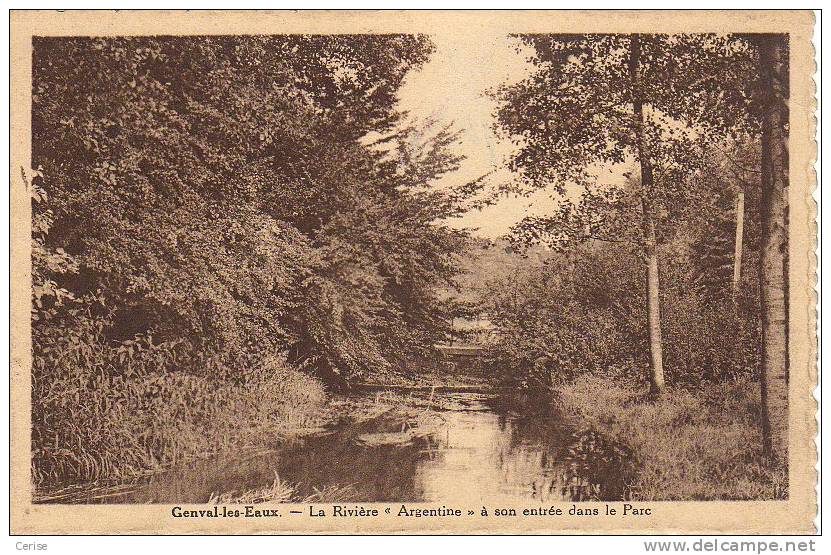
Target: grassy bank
[690, 445]
[114, 428]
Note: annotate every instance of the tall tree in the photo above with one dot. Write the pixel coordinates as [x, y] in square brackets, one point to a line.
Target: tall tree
[600, 100]
[656, 377]
[739, 241]
[727, 229]
[774, 79]
[755, 101]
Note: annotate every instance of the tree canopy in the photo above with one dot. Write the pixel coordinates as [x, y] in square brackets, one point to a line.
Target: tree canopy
[219, 192]
[574, 114]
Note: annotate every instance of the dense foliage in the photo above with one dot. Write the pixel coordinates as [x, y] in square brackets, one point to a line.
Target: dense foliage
[580, 308]
[681, 270]
[203, 205]
[218, 219]
[678, 112]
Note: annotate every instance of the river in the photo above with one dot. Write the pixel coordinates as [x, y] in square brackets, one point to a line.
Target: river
[468, 447]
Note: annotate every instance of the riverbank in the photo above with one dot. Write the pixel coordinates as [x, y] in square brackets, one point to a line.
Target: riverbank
[249, 422]
[124, 429]
[390, 446]
[689, 445]
[412, 416]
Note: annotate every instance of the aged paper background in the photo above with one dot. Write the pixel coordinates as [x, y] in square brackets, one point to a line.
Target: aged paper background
[795, 515]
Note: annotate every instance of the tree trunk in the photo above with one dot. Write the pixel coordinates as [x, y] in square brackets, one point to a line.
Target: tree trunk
[656, 375]
[773, 53]
[737, 250]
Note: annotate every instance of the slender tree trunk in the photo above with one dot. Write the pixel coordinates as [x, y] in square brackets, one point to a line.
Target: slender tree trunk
[773, 53]
[656, 376]
[737, 250]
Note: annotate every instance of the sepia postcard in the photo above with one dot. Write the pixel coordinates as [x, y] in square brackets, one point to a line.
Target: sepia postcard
[413, 272]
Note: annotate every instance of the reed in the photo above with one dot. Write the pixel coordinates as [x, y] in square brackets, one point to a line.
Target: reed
[94, 422]
[278, 492]
[282, 492]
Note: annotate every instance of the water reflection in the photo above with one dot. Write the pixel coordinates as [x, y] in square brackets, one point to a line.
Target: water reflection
[483, 456]
[474, 453]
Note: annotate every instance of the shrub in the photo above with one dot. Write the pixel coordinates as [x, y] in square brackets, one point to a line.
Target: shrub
[690, 445]
[584, 311]
[103, 412]
[218, 189]
[579, 312]
[708, 342]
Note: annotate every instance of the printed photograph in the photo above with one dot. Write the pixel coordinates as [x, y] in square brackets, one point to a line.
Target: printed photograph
[400, 267]
[412, 272]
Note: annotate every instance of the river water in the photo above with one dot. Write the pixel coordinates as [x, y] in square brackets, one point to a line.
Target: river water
[471, 448]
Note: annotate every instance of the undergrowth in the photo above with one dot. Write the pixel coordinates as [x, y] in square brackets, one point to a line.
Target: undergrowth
[700, 444]
[92, 423]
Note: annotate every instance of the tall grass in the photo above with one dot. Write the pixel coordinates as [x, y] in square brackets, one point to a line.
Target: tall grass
[104, 412]
[699, 444]
[282, 492]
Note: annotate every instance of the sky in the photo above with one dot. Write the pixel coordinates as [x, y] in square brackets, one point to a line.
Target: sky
[451, 87]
